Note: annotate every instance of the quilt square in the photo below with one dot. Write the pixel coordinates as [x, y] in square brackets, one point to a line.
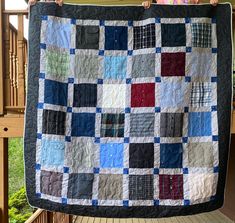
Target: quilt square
[143, 95]
[199, 124]
[111, 155]
[143, 65]
[142, 124]
[171, 124]
[200, 154]
[110, 187]
[141, 155]
[171, 155]
[140, 187]
[80, 185]
[201, 34]
[53, 122]
[173, 35]
[112, 125]
[83, 124]
[51, 183]
[116, 37]
[57, 63]
[115, 67]
[55, 92]
[144, 36]
[85, 95]
[171, 186]
[52, 152]
[87, 37]
[173, 64]
[201, 94]
[114, 96]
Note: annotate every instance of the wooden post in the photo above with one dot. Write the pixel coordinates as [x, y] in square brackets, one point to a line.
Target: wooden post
[2, 7]
[4, 180]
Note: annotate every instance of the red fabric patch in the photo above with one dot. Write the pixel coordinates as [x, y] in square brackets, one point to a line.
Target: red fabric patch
[173, 64]
[143, 95]
[171, 187]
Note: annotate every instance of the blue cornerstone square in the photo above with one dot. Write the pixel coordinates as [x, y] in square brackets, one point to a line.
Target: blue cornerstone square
[115, 67]
[55, 92]
[52, 152]
[115, 38]
[171, 155]
[199, 124]
[111, 155]
[83, 124]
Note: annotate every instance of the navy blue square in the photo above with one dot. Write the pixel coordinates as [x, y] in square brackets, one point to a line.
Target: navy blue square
[214, 108]
[213, 79]
[73, 21]
[66, 169]
[155, 171]
[157, 140]
[187, 79]
[171, 155]
[158, 79]
[125, 203]
[126, 140]
[64, 200]
[157, 109]
[43, 46]
[94, 202]
[186, 109]
[128, 81]
[72, 51]
[214, 50]
[38, 195]
[157, 20]
[173, 35]
[98, 110]
[115, 38]
[100, 81]
[158, 49]
[101, 22]
[130, 23]
[55, 92]
[186, 202]
[156, 202]
[185, 139]
[187, 20]
[185, 170]
[69, 109]
[129, 52]
[125, 171]
[70, 80]
[39, 136]
[127, 110]
[40, 105]
[213, 19]
[44, 17]
[38, 166]
[83, 124]
[42, 75]
[101, 52]
[96, 170]
[215, 138]
[67, 138]
[188, 49]
[97, 140]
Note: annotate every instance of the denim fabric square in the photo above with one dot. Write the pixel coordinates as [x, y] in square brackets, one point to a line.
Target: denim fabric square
[85, 95]
[80, 185]
[141, 155]
[83, 124]
[49, 178]
[52, 152]
[53, 122]
[171, 155]
[58, 34]
[111, 155]
[87, 37]
[115, 38]
[55, 92]
[199, 124]
[173, 35]
[115, 67]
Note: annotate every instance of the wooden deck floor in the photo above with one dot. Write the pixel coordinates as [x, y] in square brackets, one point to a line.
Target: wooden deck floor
[210, 217]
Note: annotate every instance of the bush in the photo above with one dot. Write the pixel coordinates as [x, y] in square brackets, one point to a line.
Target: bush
[19, 209]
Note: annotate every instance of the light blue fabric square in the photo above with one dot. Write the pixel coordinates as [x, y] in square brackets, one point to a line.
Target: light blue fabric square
[199, 124]
[172, 94]
[52, 152]
[58, 34]
[115, 67]
[111, 155]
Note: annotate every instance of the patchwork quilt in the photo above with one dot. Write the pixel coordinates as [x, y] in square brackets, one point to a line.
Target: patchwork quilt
[128, 110]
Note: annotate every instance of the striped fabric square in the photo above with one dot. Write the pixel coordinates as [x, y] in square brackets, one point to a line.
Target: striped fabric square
[201, 35]
[201, 94]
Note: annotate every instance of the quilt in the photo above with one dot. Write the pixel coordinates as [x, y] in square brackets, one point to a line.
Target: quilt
[128, 110]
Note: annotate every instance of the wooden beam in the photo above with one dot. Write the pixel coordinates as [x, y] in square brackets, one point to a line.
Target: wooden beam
[233, 122]
[11, 127]
[4, 180]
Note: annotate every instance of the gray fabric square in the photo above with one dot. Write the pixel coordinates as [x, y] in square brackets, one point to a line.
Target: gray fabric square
[51, 183]
[143, 65]
[80, 185]
[171, 124]
[142, 124]
[86, 66]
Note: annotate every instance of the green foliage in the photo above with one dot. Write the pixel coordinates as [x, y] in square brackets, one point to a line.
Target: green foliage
[19, 210]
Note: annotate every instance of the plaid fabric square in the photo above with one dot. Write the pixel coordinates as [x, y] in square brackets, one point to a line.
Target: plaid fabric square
[53, 122]
[201, 94]
[140, 187]
[49, 178]
[57, 63]
[201, 35]
[171, 187]
[112, 125]
[144, 36]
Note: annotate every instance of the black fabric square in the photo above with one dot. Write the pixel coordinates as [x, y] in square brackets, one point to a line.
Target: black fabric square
[141, 155]
[173, 35]
[80, 185]
[171, 124]
[85, 95]
[87, 37]
[53, 122]
[141, 187]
